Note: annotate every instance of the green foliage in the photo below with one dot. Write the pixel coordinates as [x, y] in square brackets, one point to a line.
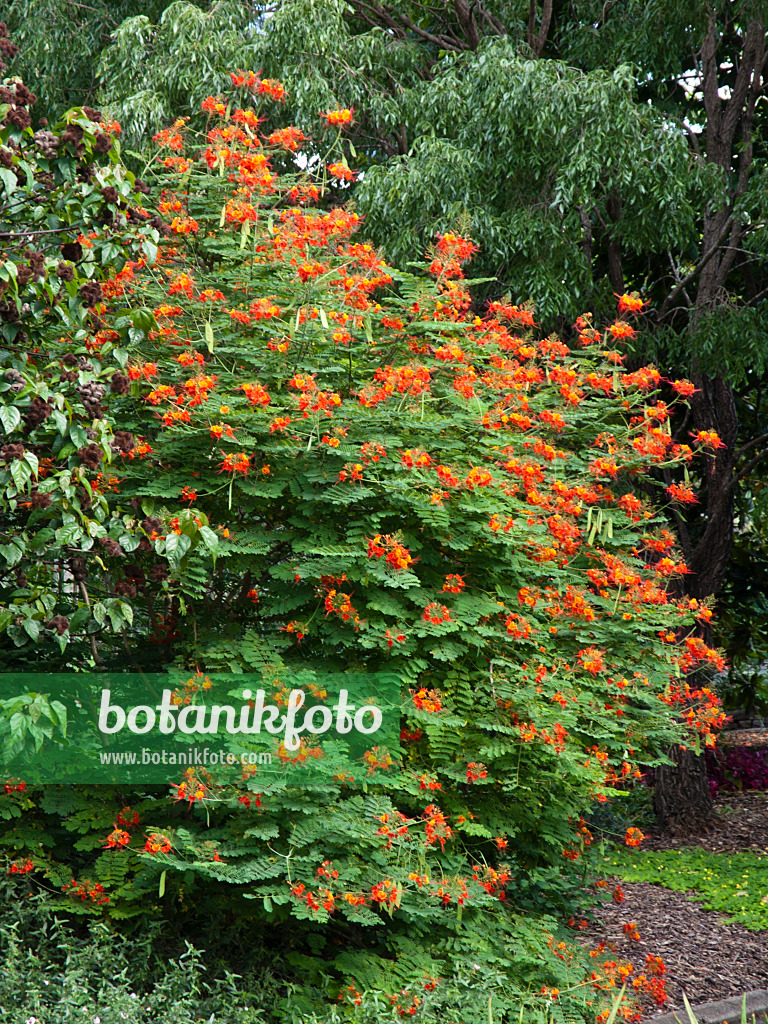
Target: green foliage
[309, 459]
[59, 972]
[734, 883]
[59, 41]
[519, 147]
[156, 69]
[55, 973]
[631, 806]
[69, 217]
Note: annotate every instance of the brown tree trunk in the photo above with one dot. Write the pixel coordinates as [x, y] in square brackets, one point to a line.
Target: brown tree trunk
[681, 799]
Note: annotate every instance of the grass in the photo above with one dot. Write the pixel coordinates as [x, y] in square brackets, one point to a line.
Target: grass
[734, 883]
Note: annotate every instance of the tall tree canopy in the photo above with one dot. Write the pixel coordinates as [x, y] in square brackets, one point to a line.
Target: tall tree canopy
[59, 42]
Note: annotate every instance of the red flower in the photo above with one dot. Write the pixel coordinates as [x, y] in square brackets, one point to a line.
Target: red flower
[289, 138]
[591, 659]
[453, 584]
[338, 118]
[684, 388]
[475, 771]
[342, 172]
[686, 495]
[127, 817]
[272, 88]
[19, 867]
[633, 837]
[708, 438]
[118, 837]
[236, 463]
[630, 303]
[436, 613]
[157, 843]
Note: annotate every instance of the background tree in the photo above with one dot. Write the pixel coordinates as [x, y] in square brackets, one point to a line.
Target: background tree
[59, 43]
[70, 215]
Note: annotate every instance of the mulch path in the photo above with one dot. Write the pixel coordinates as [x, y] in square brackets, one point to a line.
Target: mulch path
[743, 738]
[741, 824]
[705, 956]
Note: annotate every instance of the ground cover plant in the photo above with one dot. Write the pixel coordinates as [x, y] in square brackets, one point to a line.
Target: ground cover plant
[54, 973]
[265, 448]
[734, 883]
[733, 767]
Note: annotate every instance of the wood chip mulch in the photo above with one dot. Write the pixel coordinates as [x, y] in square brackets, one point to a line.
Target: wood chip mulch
[705, 956]
[741, 823]
[754, 738]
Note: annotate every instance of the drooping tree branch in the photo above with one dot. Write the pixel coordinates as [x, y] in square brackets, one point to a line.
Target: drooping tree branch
[460, 33]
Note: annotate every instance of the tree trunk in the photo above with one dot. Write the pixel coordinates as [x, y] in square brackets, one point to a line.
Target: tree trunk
[682, 801]
[681, 798]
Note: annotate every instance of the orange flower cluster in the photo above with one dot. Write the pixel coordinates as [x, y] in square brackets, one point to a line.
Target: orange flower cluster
[116, 838]
[340, 604]
[415, 458]
[86, 890]
[403, 380]
[190, 789]
[250, 81]
[338, 118]
[436, 613]
[630, 303]
[454, 584]
[475, 771]
[437, 829]
[342, 172]
[591, 660]
[389, 547]
[427, 700]
[21, 867]
[237, 462]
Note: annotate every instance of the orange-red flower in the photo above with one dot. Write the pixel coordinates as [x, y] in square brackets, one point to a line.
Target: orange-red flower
[591, 660]
[454, 584]
[633, 837]
[157, 843]
[708, 439]
[342, 172]
[288, 138]
[237, 462]
[685, 495]
[338, 118]
[684, 388]
[630, 303]
[117, 837]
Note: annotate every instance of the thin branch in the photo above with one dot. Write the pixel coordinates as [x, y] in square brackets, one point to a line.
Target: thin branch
[94, 649]
[697, 269]
[747, 469]
[752, 59]
[546, 19]
[758, 297]
[750, 444]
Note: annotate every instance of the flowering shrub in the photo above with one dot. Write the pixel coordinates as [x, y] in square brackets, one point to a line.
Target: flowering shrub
[311, 459]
